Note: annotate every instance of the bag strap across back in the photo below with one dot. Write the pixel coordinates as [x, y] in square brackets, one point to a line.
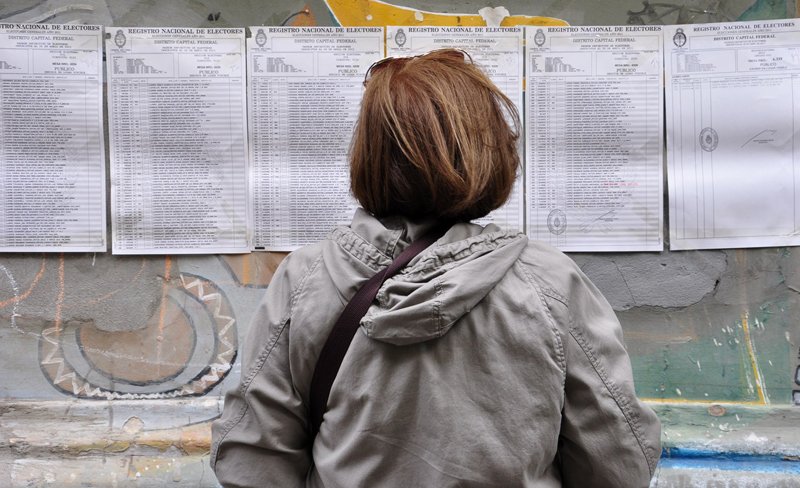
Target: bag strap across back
[335, 348]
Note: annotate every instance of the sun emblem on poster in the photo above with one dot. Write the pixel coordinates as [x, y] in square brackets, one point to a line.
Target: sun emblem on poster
[261, 38]
[400, 37]
[679, 39]
[120, 39]
[539, 38]
[557, 222]
[709, 139]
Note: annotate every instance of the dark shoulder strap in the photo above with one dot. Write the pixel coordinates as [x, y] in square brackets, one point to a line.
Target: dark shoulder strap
[334, 350]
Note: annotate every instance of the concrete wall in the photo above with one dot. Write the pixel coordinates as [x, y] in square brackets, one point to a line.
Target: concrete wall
[113, 367]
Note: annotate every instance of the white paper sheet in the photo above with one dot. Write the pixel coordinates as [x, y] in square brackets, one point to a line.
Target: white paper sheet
[52, 163]
[304, 91]
[496, 50]
[177, 123]
[733, 115]
[594, 137]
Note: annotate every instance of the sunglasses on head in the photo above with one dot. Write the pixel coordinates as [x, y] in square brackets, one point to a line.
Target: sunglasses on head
[459, 54]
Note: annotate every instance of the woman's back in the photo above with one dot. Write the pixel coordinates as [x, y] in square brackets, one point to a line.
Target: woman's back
[458, 380]
[487, 361]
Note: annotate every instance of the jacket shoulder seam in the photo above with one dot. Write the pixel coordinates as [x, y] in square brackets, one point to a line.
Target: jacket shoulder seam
[265, 353]
[262, 359]
[552, 293]
[541, 293]
[436, 308]
[631, 417]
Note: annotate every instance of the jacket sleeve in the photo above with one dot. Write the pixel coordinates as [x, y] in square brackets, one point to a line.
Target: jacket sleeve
[608, 437]
[261, 439]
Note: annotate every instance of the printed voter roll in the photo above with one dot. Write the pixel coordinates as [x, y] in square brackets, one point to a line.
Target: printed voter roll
[304, 90]
[594, 107]
[177, 130]
[498, 52]
[52, 159]
[733, 151]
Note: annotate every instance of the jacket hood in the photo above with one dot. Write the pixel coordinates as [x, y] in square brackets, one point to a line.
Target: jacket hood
[444, 282]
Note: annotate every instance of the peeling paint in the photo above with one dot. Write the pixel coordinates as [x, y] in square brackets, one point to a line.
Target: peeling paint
[133, 425]
[493, 16]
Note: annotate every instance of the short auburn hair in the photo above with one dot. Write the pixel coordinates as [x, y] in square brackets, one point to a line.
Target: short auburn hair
[434, 138]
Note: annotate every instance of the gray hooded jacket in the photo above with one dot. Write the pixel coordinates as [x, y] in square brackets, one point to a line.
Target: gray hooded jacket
[489, 361]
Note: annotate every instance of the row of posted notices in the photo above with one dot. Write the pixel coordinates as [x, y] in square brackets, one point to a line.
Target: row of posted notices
[220, 143]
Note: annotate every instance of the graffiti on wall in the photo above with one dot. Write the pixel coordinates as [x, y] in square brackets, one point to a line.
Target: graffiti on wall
[120, 328]
[185, 349]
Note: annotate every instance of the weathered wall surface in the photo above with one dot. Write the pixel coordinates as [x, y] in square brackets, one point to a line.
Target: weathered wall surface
[113, 367]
